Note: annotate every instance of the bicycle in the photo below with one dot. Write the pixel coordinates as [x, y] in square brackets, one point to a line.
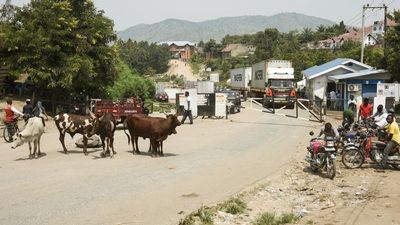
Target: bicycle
[9, 130]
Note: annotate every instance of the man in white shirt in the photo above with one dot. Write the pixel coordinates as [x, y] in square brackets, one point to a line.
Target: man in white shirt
[352, 103]
[380, 117]
[187, 109]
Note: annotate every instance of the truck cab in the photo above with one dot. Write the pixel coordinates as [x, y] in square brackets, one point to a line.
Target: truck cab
[280, 90]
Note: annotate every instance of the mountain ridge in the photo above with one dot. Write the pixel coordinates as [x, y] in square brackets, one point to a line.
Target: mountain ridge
[172, 29]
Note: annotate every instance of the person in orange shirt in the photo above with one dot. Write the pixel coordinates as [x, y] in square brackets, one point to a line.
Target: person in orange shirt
[365, 110]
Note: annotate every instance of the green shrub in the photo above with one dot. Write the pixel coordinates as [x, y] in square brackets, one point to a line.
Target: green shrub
[271, 219]
[205, 215]
[234, 206]
[266, 219]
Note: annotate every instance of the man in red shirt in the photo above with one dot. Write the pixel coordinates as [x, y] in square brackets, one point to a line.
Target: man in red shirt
[10, 112]
[365, 110]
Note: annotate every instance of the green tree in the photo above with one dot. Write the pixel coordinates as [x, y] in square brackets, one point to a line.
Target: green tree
[129, 83]
[143, 57]
[62, 44]
[392, 40]
[266, 43]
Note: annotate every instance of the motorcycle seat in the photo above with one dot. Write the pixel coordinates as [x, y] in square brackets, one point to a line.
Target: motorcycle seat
[379, 144]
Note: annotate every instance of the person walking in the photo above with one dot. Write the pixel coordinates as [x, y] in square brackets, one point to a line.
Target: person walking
[187, 112]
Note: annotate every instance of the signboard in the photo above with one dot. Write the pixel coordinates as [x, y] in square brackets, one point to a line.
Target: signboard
[259, 75]
[386, 90]
[214, 77]
[201, 99]
[220, 104]
[238, 77]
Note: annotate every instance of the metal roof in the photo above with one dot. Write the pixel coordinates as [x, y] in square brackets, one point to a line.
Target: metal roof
[178, 43]
[360, 74]
[324, 67]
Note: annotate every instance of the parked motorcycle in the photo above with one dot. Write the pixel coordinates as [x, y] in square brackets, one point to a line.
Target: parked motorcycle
[322, 155]
[354, 158]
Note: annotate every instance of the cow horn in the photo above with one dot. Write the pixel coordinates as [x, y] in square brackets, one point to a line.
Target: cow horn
[92, 114]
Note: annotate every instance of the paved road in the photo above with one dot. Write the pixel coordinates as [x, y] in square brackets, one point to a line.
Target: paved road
[205, 163]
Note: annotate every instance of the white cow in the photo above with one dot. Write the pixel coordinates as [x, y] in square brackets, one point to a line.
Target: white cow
[31, 133]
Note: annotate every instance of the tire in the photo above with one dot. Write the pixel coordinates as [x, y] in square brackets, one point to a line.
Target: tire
[93, 142]
[6, 133]
[352, 159]
[331, 169]
[396, 166]
[314, 169]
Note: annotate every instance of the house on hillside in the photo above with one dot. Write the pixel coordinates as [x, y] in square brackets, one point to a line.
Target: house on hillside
[234, 50]
[181, 49]
[345, 77]
[372, 36]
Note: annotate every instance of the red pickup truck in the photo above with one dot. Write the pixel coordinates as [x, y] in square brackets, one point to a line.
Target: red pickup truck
[121, 108]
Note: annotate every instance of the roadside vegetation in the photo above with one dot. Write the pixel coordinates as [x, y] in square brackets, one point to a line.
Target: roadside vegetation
[271, 219]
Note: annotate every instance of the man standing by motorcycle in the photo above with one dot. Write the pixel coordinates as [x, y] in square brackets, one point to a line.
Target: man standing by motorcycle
[365, 110]
[393, 137]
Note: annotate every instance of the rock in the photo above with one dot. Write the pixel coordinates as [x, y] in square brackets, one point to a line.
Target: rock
[302, 213]
[358, 193]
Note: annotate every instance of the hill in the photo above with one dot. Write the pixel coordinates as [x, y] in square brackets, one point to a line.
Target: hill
[174, 29]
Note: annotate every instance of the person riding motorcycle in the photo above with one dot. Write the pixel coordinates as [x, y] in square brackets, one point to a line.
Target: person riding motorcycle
[11, 113]
[379, 117]
[27, 110]
[393, 138]
[329, 131]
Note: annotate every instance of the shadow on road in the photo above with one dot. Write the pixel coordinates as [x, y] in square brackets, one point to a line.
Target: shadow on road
[79, 152]
[149, 154]
[30, 158]
[273, 124]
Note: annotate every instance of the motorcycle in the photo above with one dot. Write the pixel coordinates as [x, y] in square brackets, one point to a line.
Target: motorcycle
[322, 155]
[355, 158]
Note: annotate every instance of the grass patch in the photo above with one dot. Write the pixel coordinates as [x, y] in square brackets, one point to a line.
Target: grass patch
[234, 206]
[271, 219]
[188, 220]
[205, 215]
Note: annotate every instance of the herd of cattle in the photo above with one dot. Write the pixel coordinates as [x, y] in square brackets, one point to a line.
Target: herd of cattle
[139, 125]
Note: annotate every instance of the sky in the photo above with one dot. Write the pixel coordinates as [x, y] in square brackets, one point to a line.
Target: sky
[127, 13]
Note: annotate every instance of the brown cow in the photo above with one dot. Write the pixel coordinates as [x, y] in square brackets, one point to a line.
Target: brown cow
[105, 126]
[157, 129]
[74, 124]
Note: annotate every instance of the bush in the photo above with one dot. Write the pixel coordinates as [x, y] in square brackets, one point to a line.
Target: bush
[271, 219]
[234, 206]
[130, 84]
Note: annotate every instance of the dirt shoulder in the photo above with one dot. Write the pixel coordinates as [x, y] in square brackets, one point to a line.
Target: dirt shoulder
[356, 196]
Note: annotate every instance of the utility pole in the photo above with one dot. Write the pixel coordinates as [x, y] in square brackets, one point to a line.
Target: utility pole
[363, 33]
[365, 7]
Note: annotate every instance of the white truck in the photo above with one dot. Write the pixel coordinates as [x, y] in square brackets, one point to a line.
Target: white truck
[240, 80]
[273, 80]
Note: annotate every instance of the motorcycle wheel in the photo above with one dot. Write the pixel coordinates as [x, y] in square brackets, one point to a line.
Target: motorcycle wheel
[352, 159]
[396, 166]
[314, 168]
[9, 132]
[331, 169]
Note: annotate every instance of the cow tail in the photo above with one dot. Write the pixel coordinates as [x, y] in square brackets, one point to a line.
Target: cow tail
[129, 138]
